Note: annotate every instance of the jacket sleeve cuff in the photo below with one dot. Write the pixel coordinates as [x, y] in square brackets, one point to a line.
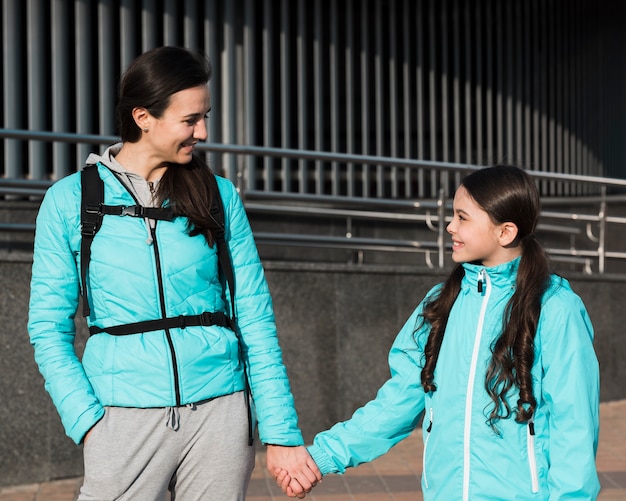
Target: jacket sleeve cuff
[84, 424]
[323, 460]
[289, 439]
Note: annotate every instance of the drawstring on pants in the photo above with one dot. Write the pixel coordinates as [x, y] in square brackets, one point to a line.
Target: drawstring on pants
[173, 416]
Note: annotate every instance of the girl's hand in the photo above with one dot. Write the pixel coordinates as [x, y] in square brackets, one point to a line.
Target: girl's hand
[283, 480]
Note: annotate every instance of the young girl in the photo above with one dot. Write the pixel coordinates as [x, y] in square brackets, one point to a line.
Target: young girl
[158, 397]
[499, 358]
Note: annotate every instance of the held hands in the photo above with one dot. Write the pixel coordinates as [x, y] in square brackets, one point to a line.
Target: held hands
[293, 469]
[284, 481]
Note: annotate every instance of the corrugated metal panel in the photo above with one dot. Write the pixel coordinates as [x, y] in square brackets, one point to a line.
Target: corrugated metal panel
[37, 96]
[63, 102]
[286, 91]
[13, 76]
[535, 83]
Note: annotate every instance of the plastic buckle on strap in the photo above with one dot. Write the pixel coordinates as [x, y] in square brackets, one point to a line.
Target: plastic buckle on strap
[93, 209]
[132, 210]
[89, 229]
[206, 319]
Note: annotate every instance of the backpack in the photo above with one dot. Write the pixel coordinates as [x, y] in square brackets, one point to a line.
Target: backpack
[92, 212]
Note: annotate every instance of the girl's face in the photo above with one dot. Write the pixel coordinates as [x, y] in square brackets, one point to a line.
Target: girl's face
[475, 238]
[174, 135]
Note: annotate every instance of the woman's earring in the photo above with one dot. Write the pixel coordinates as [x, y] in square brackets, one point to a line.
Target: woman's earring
[145, 130]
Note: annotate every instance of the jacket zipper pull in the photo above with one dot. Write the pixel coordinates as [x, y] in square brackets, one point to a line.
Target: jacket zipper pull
[430, 424]
[531, 427]
[481, 280]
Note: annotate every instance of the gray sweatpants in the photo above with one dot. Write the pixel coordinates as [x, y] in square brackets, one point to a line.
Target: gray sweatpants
[199, 452]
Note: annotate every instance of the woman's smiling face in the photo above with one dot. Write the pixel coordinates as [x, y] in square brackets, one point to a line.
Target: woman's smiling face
[174, 135]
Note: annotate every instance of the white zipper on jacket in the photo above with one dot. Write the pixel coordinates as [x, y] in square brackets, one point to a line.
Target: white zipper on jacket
[430, 427]
[532, 459]
[484, 287]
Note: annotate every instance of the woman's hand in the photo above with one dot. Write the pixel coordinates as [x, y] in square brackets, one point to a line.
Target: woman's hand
[293, 469]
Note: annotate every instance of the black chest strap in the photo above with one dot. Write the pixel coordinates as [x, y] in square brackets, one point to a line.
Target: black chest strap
[159, 213]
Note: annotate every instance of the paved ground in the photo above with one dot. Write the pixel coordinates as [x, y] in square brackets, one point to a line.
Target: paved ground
[393, 477]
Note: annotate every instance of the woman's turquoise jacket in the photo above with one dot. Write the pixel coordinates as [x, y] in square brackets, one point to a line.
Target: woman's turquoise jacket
[551, 458]
[140, 274]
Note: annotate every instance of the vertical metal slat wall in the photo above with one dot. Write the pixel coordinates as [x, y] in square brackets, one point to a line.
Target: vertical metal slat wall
[536, 83]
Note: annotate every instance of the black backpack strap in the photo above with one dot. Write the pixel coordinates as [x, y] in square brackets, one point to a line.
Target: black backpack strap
[223, 256]
[91, 213]
[219, 234]
[91, 219]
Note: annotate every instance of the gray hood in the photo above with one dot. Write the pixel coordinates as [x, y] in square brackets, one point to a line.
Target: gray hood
[136, 184]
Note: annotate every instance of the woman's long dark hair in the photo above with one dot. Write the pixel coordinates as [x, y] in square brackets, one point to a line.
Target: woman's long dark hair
[149, 82]
[506, 194]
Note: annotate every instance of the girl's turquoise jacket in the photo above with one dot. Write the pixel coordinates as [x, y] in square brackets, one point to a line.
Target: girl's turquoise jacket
[464, 459]
[135, 276]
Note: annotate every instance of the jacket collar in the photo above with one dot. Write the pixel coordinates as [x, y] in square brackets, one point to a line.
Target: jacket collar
[502, 275]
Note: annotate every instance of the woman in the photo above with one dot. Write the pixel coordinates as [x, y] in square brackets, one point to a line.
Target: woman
[161, 407]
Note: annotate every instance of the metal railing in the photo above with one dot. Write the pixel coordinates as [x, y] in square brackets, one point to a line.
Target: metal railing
[425, 218]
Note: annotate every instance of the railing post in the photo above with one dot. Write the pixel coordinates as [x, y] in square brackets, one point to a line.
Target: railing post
[242, 182]
[602, 232]
[441, 209]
